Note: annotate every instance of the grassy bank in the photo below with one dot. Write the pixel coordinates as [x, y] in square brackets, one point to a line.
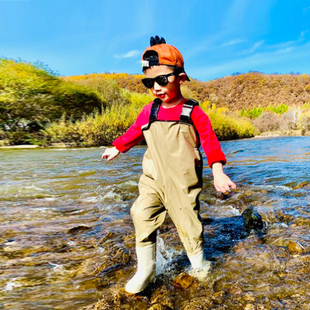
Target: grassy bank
[92, 110]
[102, 128]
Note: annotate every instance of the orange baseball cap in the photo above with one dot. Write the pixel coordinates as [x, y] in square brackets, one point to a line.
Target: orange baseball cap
[160, 53]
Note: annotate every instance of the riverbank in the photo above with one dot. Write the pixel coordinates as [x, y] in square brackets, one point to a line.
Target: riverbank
[279, 133]
[32, 146]
[267, 134]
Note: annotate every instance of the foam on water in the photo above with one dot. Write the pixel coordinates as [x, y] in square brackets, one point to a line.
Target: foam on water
[111, 196]
[202, 273]
[92, 199]
[57, 268]
[272, 187]
[12, 284]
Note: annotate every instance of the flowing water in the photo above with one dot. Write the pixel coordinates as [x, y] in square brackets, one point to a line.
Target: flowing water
[67, 239]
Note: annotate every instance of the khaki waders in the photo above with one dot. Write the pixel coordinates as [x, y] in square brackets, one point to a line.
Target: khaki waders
[171, 181]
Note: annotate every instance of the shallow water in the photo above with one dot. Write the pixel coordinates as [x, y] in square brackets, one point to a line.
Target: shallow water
[67, 239]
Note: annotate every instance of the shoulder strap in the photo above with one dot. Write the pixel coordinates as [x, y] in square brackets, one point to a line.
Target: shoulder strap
[154, 110]
[187, 110]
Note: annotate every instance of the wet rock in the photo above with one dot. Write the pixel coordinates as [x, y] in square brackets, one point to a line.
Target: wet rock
[248, 297]
[198, 304]
[184, 280]
[299, 265]
[162, 296]
[249, 307]
[295, 247]
[78, 229]
[103, 304]
[252, 219]
[109, 236]
[159, 307]
[235, 290]
[301, 221]
[302, 185]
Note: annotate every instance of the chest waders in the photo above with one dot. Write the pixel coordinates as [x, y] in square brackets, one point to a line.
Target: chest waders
[171, 183]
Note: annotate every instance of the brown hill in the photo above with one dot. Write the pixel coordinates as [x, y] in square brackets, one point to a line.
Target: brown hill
[234, 92]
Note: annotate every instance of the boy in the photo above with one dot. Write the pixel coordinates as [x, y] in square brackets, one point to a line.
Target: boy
[173, 128]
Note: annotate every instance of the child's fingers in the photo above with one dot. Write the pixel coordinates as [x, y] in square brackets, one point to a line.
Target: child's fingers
[110, 157]
[226, 187]
[232, 185]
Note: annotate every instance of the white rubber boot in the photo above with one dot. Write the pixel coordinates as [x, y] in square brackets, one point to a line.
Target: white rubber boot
[200, 266]
[146, 269]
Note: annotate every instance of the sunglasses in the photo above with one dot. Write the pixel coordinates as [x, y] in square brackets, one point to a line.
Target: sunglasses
[161, 80]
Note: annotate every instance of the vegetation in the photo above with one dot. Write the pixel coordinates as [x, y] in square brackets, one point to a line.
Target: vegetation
[244, 91]
[227, 125]
[257, 111]
[98, 128]
[30, 98]
[40, 108]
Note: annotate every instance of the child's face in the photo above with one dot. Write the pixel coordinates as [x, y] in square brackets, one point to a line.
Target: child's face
[170, 93]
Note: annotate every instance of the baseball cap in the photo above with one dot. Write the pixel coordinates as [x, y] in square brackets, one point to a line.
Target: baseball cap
[160, 53]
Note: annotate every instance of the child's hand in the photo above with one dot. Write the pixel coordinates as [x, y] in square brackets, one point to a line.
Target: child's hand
[110, 153]
[222, 182]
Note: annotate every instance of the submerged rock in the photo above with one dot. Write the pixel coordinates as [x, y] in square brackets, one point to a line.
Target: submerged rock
[77, 229]
[252, 219]
[163, 298]
[184, 280]
[159, 307]
[295, 247]
[302, 185]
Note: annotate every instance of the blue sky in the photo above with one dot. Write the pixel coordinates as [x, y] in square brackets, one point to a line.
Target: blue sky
[216, 37]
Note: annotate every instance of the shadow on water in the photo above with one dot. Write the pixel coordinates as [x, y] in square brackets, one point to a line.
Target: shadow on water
[222, 234]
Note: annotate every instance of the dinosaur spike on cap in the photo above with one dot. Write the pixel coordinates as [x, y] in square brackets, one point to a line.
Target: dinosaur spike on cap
[160, 53]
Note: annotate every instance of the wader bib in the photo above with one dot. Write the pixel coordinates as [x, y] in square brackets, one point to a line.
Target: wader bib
[171, 180]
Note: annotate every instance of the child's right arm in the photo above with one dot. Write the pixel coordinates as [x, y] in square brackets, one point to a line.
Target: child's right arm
[131, 137]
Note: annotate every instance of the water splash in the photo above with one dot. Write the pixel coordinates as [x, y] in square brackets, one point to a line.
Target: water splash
[164, 257]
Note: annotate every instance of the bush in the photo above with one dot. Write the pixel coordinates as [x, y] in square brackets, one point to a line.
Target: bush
[304, 121]
[267, 121]
[257, 111]
[228, 126]
[288, 120]
[98, 128]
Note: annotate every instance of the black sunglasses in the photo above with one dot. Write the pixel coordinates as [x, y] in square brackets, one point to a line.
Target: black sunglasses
[161, 80]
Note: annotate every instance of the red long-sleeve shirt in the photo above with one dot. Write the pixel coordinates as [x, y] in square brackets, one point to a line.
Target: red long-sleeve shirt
[201, 121]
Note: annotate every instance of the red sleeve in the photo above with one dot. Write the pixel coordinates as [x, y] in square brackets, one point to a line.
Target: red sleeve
[208, 139]
[134, 133]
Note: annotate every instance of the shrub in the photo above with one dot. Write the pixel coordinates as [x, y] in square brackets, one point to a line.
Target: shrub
[257, 111]
[98, 128]
[304, 121]
[267, 121]
[228, 126]
[289, 119]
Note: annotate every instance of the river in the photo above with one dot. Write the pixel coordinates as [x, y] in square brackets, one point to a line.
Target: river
[67, 239]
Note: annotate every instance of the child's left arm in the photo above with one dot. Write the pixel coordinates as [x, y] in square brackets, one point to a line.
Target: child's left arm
[222, 182]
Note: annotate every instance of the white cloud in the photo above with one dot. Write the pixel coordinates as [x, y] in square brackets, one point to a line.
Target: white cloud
[129, 54]
[302, 35]
[285, 50]
[233, 42]
[253, 48]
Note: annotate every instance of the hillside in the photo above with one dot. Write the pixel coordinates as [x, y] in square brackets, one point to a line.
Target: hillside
[234, 92]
